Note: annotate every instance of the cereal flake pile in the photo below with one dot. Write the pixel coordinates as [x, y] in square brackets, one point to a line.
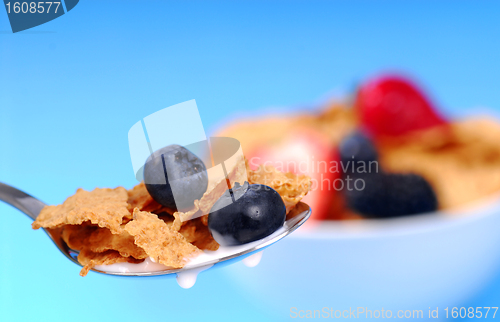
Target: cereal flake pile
[110, 226]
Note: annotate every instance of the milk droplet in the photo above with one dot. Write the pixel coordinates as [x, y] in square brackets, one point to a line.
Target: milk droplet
[187, 278]
[253, 260]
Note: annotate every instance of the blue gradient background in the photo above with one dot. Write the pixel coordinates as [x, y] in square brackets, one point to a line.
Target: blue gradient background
[71, 89]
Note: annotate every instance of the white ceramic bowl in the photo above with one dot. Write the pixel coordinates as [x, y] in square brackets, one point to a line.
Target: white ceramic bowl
[432, 260]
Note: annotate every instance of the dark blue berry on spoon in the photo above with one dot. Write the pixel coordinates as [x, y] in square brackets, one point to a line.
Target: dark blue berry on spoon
[245, 214]
[175, 177]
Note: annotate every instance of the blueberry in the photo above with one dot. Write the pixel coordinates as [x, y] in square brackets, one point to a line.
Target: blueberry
[175, 171]
[246, 213]
[355, 151]
[392, 195]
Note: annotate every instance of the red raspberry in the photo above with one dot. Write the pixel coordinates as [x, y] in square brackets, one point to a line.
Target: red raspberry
[393, 105]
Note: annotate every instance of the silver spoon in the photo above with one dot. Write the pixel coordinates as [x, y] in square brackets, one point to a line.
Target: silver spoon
[32, 207]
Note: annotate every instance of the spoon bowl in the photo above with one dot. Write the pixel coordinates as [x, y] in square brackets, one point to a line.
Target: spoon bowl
[31, 206]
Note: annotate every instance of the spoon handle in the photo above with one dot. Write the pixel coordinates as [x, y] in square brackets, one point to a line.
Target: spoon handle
[21, 200]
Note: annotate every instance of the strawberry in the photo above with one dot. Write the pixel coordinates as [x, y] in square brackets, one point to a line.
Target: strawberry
[304, 152]
[393, 106]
